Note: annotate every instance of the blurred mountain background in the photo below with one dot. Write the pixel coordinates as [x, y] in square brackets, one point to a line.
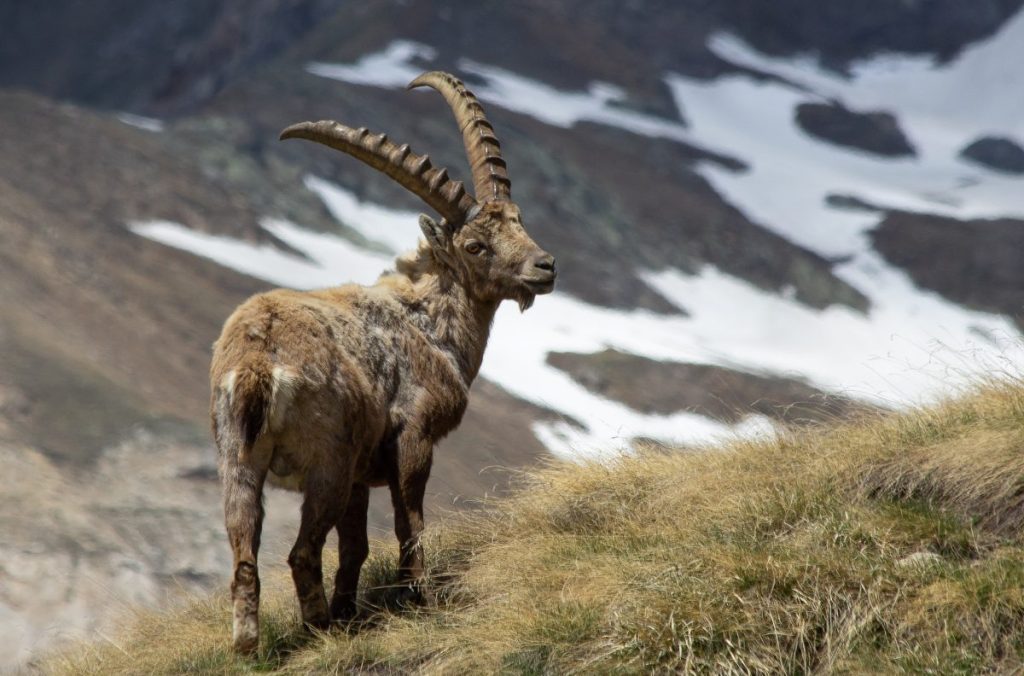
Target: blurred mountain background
[762, 212]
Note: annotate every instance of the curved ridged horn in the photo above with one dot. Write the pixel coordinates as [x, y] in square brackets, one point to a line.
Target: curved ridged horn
[490, 176]
[413, 172]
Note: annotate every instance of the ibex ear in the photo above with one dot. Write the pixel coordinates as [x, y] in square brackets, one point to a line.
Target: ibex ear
[437, 234]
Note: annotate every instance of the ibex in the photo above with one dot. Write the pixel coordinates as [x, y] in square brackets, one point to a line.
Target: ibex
[331, 392]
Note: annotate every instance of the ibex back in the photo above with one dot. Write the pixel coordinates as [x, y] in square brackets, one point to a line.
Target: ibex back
[334, 391]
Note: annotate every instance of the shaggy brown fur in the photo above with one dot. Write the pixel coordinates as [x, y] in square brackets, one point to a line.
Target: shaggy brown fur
[331, 392]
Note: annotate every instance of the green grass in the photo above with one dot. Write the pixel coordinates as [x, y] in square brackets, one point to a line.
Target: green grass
[782, 556]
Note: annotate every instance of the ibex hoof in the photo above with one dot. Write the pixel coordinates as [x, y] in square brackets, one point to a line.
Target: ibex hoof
[408, 596]
[247, 646]
[318, 623]
[344, 611]
[245, 628]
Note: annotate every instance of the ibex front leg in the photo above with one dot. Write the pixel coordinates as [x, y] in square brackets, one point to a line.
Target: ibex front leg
[408, 484]
[353, 548]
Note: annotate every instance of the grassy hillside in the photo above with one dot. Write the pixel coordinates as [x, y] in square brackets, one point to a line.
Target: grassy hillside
[887, 544]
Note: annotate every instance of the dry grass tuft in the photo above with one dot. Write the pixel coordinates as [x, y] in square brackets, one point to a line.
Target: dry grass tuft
[891, 543]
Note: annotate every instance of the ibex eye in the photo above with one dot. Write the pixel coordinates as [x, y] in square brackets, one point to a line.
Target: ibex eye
[474, 248]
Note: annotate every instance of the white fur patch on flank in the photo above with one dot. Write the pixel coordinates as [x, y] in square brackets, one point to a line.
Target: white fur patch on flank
[227, 384]
[283, 383]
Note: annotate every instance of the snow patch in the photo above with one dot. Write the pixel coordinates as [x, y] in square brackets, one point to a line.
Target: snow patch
[392, 228]
[148, 123]
[392, 68]
[942, 105]
[910, 347]
[332, 260]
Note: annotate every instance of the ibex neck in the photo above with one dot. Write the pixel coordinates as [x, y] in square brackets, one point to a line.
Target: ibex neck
[459, 323]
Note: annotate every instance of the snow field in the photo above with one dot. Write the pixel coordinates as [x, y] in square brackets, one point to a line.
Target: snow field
[911, 347]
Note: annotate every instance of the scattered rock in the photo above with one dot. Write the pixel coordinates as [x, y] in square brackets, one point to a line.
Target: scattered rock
[199, 473]
[657, 387]
[996, 152]
[851, 203]
[876, 132]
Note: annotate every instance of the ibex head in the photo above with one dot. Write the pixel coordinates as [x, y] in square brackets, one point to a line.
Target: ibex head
[481, 239]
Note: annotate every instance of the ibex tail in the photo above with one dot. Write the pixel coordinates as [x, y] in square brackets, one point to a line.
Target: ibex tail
[254, 396]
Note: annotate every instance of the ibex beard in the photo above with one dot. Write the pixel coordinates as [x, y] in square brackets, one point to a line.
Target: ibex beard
[332, 392]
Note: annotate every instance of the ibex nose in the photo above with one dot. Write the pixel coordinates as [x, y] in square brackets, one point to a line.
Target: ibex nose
[545, 262]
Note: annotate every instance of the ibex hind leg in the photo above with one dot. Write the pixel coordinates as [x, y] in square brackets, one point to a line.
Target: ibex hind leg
[243, 519]
[244, 451]
[326, 495]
